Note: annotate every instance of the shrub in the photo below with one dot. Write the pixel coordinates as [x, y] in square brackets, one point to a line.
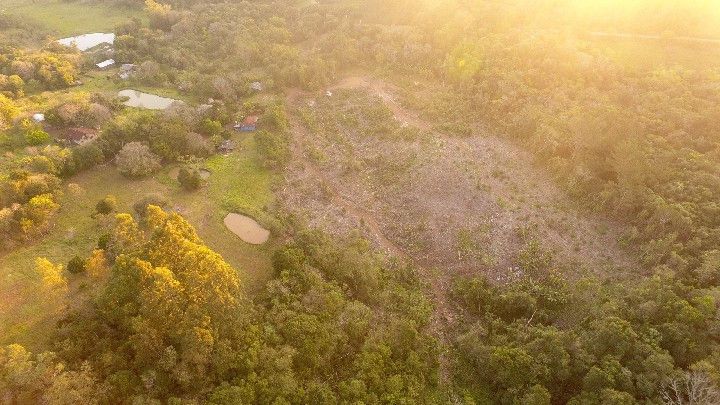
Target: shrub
[141, 205]
[104, 241]
[189, 179]
[106, 206]
[211, 127]
[198, 146]
[76, 265]
[135, 160]
[533, 259]
[273, 148]
[36, 136]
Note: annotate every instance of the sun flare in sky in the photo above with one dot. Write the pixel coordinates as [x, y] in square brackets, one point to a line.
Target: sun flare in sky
[681, 17]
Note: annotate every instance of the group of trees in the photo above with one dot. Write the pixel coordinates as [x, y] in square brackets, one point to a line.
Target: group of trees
[281, 44]
[38, 70]
[82, 110]
[8, 112]
[582, 342]
[28, 193]
[335, 324]
[640, 146]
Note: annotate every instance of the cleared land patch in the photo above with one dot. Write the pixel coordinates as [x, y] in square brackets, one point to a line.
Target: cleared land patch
[461, 205]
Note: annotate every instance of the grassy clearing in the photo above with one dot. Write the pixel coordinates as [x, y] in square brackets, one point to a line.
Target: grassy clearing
[237, 182]
[64, 18]
[105, 82]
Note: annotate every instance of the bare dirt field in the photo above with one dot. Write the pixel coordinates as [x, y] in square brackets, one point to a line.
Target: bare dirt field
[453, 204]
[449, 205]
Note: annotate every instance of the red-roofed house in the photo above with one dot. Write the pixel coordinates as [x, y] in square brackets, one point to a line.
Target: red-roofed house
[248, 124]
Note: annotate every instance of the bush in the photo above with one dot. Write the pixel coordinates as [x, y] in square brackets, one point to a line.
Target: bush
[141, 205]
[76, 265]
[104, 241]
[83, 157]
[533, 259]
[273, 148]
[106, 206]
[211, 127]
[135, 160]
[36, 136]
[198, 146]
[189, 179]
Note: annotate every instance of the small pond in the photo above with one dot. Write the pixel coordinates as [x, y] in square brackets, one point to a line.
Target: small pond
[145, 100]
[88, 41]
[247, 229]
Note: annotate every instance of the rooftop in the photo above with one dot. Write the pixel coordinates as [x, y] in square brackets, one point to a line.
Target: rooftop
[106, 63]
[251, 120]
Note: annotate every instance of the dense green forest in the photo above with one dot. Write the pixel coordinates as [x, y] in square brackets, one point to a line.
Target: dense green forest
[119, 282]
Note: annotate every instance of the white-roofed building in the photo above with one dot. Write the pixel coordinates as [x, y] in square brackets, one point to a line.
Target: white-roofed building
[105, 64]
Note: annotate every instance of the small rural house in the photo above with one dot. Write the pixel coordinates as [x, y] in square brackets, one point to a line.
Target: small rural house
[249, 124]
[79, 136]
[38, 117]
[226, 146]
[105, 64]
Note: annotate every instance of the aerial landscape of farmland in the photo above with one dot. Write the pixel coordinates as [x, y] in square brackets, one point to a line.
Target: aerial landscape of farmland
[360, 202]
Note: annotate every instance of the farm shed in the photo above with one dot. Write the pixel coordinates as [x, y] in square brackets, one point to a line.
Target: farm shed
[248, 124]
[105, 64]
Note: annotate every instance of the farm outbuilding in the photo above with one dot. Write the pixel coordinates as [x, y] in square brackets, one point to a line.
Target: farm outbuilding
[105, 64]
[248, 124]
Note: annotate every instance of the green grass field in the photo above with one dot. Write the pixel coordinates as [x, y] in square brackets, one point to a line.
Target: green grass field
[237, 182]
[106, 82]
[63, 18]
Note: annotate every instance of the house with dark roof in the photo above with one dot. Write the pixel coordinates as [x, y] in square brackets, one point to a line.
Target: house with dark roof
[79, 136]
[105, 64]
